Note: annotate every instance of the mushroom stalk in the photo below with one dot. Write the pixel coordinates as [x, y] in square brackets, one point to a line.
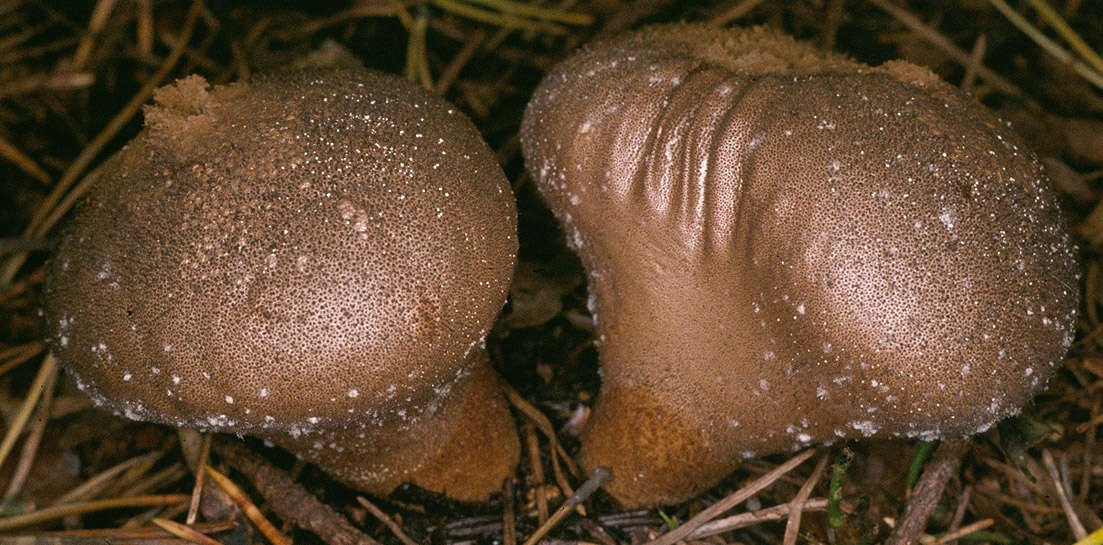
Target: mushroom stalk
[463, 441]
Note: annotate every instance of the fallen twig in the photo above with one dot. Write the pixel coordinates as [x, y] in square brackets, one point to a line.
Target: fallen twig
[792, 527]
[964, 531]
[732, 500]
[386, 520]
[290, 500]
[99, 482]
[45, 374]
[942, 42]
[34, 439]
[248, 507]
[59, 511]
[927, 492]
[599, 477]
[1077, 527]
[743, 520]
[184, 531]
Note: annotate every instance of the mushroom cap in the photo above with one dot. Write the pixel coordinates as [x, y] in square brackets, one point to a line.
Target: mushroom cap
[309, 250]
[785, 246]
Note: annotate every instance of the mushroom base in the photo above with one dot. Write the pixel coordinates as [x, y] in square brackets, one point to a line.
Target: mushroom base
[648, 452]
[465, 450]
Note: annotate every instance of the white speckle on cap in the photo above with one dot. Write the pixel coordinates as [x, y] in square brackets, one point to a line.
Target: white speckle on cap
[866, 427]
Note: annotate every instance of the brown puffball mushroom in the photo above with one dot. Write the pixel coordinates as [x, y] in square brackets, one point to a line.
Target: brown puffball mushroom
[786, 247]
[313, 258]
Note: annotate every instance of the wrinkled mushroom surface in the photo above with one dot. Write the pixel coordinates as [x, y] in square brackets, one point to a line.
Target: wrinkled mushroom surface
[786, 247]
[312, 257]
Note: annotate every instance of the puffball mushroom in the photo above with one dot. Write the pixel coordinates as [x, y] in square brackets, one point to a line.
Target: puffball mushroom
[313, 258]
[787, 247]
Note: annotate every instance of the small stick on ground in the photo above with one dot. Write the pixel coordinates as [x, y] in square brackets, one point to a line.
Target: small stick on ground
[599, 477]
[743, 520]
[1089, 448]
[796, 507]
[51, 513]
[962, 505]
[144, 30]
[16, 355]
[183, 531]
[386, 520]
[630, 14]
[12, 245]
[940, 41]
[509, 517]
[25, 162]
[1016, 476]
[964, 531]
[1063, 496]
[111, 535]
[736, 498]
[290, 500]
[197, 490]
[831, 20]
[248, 507]
[19, 289]
[545, 426]
[96, 24]
[532, 444]
[45, 375]
[737, 11]
[100, 481]
[927, 492]
[976, 56]
[34, 439]
[451, 72]
[150, 483]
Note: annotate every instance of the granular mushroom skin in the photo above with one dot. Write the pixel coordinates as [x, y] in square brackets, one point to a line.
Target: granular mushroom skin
[787, 247]
[313, 257]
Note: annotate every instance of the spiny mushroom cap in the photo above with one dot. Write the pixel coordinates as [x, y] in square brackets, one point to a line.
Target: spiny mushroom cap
[785, 246]
[311, 250]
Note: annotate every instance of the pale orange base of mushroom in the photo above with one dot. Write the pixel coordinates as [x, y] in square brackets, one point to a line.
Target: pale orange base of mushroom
[465, 451]
[646, 446]
[483, 448]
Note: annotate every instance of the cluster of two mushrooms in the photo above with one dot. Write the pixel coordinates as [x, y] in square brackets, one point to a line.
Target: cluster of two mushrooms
[783, 246]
